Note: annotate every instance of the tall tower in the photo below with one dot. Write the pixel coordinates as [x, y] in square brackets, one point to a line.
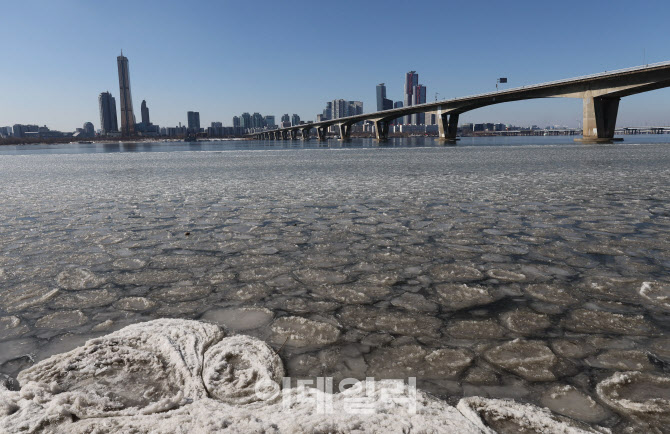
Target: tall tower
[108, 120]
[193, 121]
[145, 113]
[127, 115]
[411, 80]
[419, 97]
[382, 102]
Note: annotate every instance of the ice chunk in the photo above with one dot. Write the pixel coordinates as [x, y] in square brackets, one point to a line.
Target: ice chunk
[240, 370]
[294, 331]
[455, 273]
[414, 302]
[389, 321]
[658, 293]
[532, 360]
[62, 320]
[313, 276]
[25, 296]
[11, 327]
[239, 319]
[183, 291]
[84, 299]
[457, 297]
[550, 294]
[569, 401]
[76, 279]
[249, 292]
[412, 360]
[481, 375]
[330, 362]
[151, 277]
[129, 263]
[642, 397]
[573, 348]
[592, 321]
[503, 416]
[525, 321]
[505, 275]
[475, 329]
[134, 304]
[352, 293]
[622, 360]
[139, 369]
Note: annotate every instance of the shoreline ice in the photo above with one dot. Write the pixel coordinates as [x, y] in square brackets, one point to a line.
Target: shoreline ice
[175, 375]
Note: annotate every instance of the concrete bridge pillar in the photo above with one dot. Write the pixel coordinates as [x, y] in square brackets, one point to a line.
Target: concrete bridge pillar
[277, 135]
[447, 125]
[305, 133]
[345, 131]
[600, 118]
[321, 132]
[294, 134]
[381, 129]
[283, 135]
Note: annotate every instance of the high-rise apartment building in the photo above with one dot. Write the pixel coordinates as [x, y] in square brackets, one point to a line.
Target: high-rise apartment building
[382, 102]
[127, 115]
[108, 120]
[419, 97]
[270, 121]
[286, 118]
[328, 111]
[295, 120]
[245, 121]
[411, 80]
[236, 122]
[193, 121]
[257, 120]
[145, 113]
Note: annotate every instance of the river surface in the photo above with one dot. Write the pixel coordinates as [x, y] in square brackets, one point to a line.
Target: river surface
[501, 267]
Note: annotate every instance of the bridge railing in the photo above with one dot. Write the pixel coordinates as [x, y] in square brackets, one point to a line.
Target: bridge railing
[565, 80]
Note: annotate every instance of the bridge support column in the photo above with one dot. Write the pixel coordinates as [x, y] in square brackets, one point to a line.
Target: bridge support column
[305, 133]
[321, 132]
[294, 134]
[277, 135]
[345, 131]
[381, 130]
[448, 125]
[284, 135]
[599, 118]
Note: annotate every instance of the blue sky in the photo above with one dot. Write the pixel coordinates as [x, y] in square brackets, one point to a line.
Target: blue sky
[222, 58]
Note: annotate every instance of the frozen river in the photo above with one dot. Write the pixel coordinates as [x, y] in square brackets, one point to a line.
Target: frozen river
[531, 272]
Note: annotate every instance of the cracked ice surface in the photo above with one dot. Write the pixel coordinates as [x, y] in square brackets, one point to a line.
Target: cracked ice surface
[531, 273]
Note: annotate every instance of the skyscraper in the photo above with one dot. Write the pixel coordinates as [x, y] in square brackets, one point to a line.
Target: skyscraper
[236, 122]
[411, 80]
[382, 102]
[127, 115]
[194, 121]
[295, 120]
[108, 120]
[257, 120]
[419, 97]
[145, 113]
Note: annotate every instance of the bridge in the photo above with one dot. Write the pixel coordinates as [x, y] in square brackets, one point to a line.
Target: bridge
[600, 93]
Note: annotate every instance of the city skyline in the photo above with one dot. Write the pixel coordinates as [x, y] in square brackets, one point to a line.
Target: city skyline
[176, 72]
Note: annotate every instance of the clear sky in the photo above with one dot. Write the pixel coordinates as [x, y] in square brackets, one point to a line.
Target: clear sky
[222, 58]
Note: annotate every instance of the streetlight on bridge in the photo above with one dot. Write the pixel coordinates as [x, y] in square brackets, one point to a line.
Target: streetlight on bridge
[501, 80]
